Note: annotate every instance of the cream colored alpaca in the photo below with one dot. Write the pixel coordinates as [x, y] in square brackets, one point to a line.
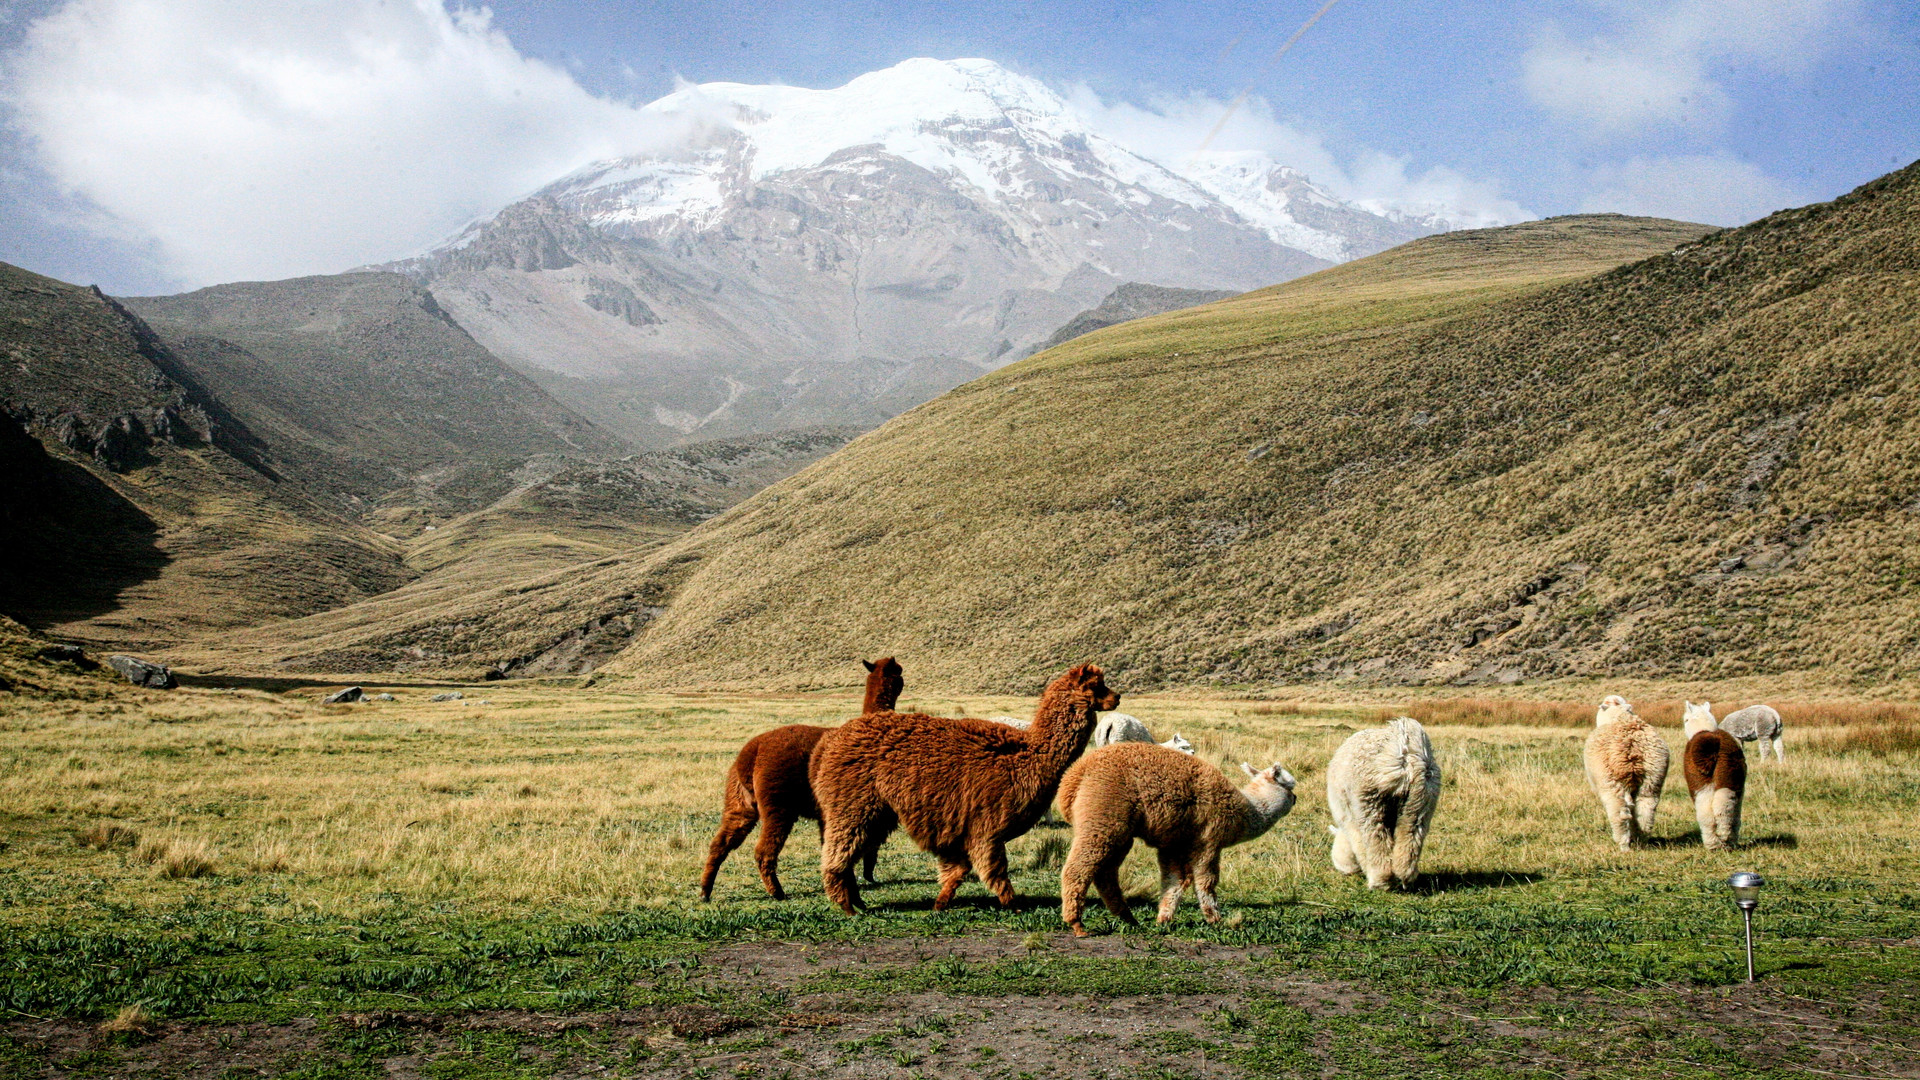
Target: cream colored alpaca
[1627, 765]
[1176, 803]
[1382, 786]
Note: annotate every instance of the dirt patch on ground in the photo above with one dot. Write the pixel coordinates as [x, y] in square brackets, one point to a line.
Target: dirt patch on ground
[862, 1009]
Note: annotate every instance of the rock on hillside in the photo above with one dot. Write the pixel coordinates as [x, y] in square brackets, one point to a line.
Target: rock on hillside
[838, 256]
[1134, 300]
[1085, 503]
[366, 392]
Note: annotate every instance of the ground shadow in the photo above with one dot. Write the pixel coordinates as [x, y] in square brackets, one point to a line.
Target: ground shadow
[1446, 881]
[980, 904]
[1691, 839]
[1776, 840]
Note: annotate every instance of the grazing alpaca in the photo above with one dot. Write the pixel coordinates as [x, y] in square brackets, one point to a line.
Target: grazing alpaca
[1757, 724]
[1120, 728]
[960, 787]
[1177, 804]
[769, 781]
[1382, 786]
[1627, 766]
[1716, 770]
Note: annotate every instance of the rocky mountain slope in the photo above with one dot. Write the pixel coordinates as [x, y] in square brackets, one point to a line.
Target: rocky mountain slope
[369, 397]
[1159, 495]
[838, 256]
[1134, 300]
[137, 508]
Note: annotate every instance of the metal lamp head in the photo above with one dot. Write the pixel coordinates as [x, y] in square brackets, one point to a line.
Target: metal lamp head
[1746, 889]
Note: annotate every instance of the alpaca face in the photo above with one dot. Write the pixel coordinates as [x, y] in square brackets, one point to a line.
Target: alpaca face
[1270, 789]
[1699, 718]
[1612, 707]
[1093, 682]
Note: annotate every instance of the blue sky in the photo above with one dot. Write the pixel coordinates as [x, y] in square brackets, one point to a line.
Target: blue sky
[242, 149]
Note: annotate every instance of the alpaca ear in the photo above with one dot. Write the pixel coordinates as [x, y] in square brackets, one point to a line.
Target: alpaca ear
[1286, 778]
[1248, 769]
[868, 663]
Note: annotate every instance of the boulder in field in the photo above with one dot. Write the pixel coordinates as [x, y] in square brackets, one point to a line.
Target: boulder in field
[452, 695]
[342, 697]
[143, 672]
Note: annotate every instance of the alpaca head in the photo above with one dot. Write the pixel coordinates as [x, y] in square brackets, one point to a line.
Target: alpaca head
[1270, 790]
[884, 684]
[1612, 707]
[1178, 742]
[1085, 682]
[1699, 718]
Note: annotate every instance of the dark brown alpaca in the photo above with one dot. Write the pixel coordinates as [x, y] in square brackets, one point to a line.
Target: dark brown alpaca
[962, 788]
[768, 786]
[1717, 779]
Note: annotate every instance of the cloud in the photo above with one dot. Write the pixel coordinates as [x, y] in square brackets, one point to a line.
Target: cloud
[1170, 130]
[257, 140]
[1713, 189]
[1659, 67]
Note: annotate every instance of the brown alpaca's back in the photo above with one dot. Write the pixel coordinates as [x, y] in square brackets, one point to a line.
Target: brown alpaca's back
[768, 786]
[1716, 769]
[1158, 795]
[960, 787]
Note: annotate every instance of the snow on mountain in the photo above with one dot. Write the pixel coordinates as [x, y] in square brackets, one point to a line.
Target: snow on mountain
[835, 256]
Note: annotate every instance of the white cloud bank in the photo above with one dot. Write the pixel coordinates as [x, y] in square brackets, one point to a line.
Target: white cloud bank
[269, 140]
[1659, 69]
[1708, 188]
[1171, 130]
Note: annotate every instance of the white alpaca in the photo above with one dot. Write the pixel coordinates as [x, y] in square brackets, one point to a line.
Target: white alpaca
[1382, 786]
[1757, 724]
[1699, 718]
[1627, 765]
[1118, 727]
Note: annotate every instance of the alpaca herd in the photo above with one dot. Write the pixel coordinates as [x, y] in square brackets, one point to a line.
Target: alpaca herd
[962, 788]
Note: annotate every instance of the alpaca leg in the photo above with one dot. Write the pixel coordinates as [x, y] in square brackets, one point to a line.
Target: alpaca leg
[990, 862]
[1646, 804]
[952, 873]
[1779, 749]
[1407, 843]
[1106, 878]
[1619, 810]
[1344, 859]
[1075, 875]
[877, 834]
[1205, 879]
[1174, 874]
[1726, 816]
[1376, 856]
[1703, 814]
[773, 839]
[735, 824]
[842, 837]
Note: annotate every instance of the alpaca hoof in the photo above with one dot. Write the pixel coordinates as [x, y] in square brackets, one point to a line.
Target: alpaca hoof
[1081, 931]
[1213, 918]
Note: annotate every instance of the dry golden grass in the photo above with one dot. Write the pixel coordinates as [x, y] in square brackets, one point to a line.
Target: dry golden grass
[600, 800]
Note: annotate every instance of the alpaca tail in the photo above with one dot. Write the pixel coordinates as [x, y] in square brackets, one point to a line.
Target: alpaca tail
[1402, 764]
[1420, 780]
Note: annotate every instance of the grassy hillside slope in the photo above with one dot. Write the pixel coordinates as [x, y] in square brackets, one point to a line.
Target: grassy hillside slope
[1703, 464]
[786, 589]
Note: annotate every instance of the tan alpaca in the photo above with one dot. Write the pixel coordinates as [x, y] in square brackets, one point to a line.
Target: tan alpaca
[1382, 787]
[1627, 766]
[1179, 805]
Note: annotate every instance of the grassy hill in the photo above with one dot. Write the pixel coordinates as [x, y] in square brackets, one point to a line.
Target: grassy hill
[1697, 465]
[1060, 506]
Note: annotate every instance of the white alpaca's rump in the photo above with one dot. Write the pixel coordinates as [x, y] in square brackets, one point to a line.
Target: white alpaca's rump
[1382, 787]
[1758, 724]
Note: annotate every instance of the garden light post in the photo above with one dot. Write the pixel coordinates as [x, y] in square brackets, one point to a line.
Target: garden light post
[1746, 893]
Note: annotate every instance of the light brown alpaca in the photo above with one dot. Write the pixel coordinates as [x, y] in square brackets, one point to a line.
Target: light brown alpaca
[1627, 765]
[1176, 803]
[961, 788]
[768, 786]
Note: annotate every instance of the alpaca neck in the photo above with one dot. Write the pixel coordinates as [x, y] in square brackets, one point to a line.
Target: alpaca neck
[880, 696]
[1059, 733]
[1261, 808]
